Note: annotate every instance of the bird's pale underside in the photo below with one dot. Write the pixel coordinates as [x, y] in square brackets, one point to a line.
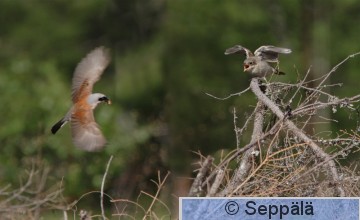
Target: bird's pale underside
[85, 132]
[257, 63]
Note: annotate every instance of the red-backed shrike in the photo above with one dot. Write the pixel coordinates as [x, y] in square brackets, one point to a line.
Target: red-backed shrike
[257, 64]
[85, 132]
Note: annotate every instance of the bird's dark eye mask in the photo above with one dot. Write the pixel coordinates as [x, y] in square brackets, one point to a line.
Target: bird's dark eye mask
[105, 99]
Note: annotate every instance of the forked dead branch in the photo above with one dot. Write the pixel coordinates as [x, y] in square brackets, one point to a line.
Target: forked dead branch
[283, 158]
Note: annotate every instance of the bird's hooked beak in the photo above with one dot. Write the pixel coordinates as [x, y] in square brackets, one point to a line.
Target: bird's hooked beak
[106, 100]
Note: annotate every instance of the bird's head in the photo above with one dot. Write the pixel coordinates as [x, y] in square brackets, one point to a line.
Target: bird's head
[96, 98]
[249, 64]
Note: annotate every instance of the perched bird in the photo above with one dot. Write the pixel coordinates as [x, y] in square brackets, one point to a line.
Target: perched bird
[258, 65]
[85, 132]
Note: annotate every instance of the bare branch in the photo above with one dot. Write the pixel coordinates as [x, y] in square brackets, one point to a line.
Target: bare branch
[197, 186]
[246, 162]
[218, 179]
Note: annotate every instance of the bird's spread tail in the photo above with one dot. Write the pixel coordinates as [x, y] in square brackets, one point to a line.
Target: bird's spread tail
[58, 125]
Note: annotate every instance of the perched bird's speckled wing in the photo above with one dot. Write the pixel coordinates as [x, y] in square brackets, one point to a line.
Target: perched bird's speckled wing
[88, 71]
[239, 49]
[270, 53]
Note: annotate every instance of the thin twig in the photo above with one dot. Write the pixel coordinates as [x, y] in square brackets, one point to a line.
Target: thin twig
[229, 96]
[337, 66]
[102, 189]
[160, 185]
[299, 85]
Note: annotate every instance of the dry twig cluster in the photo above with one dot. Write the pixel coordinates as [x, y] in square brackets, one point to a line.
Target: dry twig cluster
[124, 208]
[31, 198]
[283, 159]
[34, 198]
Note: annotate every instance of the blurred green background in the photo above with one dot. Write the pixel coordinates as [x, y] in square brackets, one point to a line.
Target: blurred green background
[165, 56]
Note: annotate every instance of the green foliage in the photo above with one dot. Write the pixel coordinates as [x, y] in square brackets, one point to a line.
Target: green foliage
[166, 56]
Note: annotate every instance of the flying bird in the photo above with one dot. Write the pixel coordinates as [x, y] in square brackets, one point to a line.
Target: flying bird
[85, 132]
[257, 64]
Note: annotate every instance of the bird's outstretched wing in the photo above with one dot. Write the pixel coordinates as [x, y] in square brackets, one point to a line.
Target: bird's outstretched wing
[88, 71]
[271, 53]
[86, 133]
[239, 49]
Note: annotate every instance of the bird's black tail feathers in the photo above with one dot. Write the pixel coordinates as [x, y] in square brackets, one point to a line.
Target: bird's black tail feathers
[57, 126]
